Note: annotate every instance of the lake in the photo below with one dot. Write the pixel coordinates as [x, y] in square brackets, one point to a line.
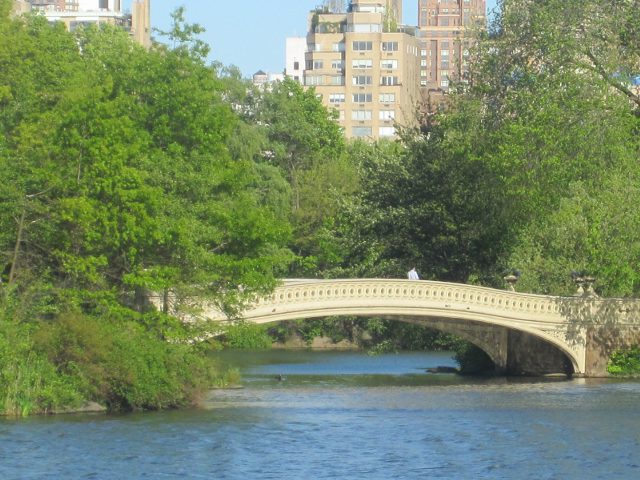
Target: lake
[334, 415]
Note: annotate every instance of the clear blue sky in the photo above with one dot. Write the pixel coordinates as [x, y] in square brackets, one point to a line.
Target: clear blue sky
[250, 33]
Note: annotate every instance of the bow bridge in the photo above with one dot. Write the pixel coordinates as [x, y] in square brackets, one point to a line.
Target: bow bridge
[522, 333]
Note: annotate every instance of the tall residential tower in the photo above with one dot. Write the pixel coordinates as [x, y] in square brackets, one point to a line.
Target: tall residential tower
[364, 64]
[444, 46]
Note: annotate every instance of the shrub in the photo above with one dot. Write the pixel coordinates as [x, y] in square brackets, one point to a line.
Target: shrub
[243, 335]
[625, 362]
[123, 365]
[228, 378]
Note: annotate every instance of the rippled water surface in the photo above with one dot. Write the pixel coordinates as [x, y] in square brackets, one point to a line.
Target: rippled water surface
[304, 415]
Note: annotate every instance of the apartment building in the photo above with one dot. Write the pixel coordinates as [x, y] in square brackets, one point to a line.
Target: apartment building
[296, 48]
[364, 64]
[444, 44]
[75, 13]
[141, 22]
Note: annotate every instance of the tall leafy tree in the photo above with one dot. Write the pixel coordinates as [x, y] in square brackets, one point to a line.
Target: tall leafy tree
[131, 169]
[553, 81]
[301, 131]
[305, 142]
[422, 204]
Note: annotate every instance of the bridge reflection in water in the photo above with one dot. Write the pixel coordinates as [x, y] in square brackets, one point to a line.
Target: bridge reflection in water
[522, 333]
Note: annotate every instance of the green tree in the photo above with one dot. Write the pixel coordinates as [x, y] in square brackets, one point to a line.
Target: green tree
[553, 82]
[5, 9]
[139, 188]
[421, 204]
[305, 142]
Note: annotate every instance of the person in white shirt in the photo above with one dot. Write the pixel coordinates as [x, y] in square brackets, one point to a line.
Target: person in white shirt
[412, 274]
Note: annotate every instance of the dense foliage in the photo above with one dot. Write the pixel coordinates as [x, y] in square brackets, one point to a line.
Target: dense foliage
[286, 128]
[554, 84]
[625, 362]
[116, 179]
[117, 358]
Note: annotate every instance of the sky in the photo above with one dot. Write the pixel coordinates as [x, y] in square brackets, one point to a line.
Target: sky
[250, 34]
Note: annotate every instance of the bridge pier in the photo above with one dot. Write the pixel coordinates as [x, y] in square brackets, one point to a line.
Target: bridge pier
[530, 355]
[603, 341]
[492, 339]
[512, 352]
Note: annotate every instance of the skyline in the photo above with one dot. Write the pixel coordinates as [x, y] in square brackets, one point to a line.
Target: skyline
[253, 39]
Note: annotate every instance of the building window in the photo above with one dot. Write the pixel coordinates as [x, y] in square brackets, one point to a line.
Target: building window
[362, 46]
[388, 64]
[103, 4]
[362, 63]
[361, 115]
[336, 80]
[362, 80]
[444, 82]
[318, 64]
[387, 114]
[387, 131]
[296, 65]
[313, 80]
[362, 97]
[389, 80]
[389, 46]
[365, 28]
[361, 131]
[336, 98]
[338, 47]
[387, 98]
[368, 8]
[337, 64]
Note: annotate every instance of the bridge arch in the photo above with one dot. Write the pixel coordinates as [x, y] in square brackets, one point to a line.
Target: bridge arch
[428, 302]
[491, 338]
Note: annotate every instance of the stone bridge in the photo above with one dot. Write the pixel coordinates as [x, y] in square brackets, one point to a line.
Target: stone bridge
[522, 333]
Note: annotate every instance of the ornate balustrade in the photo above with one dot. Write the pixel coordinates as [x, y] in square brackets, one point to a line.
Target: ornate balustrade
[376, 296]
